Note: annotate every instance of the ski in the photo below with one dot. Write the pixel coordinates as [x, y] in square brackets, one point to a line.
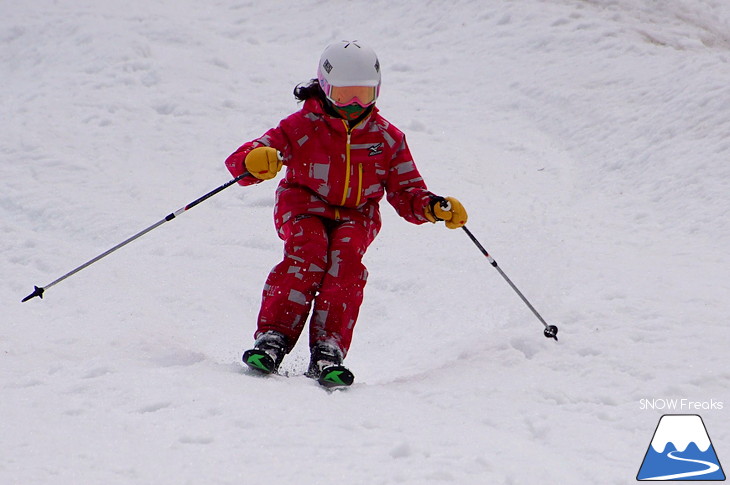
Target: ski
[335, 376]
[259, 361]
[331, 377]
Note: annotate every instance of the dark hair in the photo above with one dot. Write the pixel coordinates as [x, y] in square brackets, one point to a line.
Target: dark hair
[312, 89]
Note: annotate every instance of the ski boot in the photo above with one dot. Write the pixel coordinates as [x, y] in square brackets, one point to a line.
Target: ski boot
[268, 352]
[326, 366]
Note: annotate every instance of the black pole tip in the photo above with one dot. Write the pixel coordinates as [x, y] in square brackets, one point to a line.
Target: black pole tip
[36, 292]
[551, 331]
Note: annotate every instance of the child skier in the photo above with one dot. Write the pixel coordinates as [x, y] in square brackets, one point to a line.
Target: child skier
[341, 157]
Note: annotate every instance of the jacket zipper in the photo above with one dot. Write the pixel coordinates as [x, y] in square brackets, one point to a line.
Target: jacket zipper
[348, 168]
[359, 184]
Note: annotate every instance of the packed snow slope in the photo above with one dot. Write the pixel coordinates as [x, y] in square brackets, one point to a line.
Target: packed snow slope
[589, 141]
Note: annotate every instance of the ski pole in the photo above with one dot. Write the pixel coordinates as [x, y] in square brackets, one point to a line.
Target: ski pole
[551, 331]
[39, 290]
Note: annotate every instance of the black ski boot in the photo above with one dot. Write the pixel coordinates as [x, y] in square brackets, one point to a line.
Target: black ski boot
[268, 352]
[326, 366]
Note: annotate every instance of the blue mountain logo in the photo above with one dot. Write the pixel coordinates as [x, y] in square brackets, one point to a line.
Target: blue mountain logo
[681, 450]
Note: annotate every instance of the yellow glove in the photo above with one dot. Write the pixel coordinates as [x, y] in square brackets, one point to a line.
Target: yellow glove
[447, 209]
[263, 162]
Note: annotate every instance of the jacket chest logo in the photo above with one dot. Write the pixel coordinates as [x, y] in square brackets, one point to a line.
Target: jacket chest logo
[376, 149]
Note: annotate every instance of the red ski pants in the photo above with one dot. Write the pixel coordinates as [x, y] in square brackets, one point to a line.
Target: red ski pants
[322, 265]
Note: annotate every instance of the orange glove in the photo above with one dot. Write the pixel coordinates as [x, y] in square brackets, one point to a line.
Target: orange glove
[263, 162]
[447, 209]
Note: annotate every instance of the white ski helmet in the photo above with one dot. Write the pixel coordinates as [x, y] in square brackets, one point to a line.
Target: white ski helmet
[348, 63]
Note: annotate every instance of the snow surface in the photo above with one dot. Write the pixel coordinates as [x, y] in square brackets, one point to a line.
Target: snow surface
[589, 141]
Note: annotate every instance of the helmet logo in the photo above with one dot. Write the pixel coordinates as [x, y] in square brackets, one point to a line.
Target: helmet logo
[377, 65]
[327, 66]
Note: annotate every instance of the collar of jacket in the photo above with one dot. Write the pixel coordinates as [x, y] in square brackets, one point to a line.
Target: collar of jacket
[315, 106]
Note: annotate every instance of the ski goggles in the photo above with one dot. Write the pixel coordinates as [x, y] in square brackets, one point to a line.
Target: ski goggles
[346, 95]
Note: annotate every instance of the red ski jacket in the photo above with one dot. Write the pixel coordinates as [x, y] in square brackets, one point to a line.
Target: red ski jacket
[339, 173]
